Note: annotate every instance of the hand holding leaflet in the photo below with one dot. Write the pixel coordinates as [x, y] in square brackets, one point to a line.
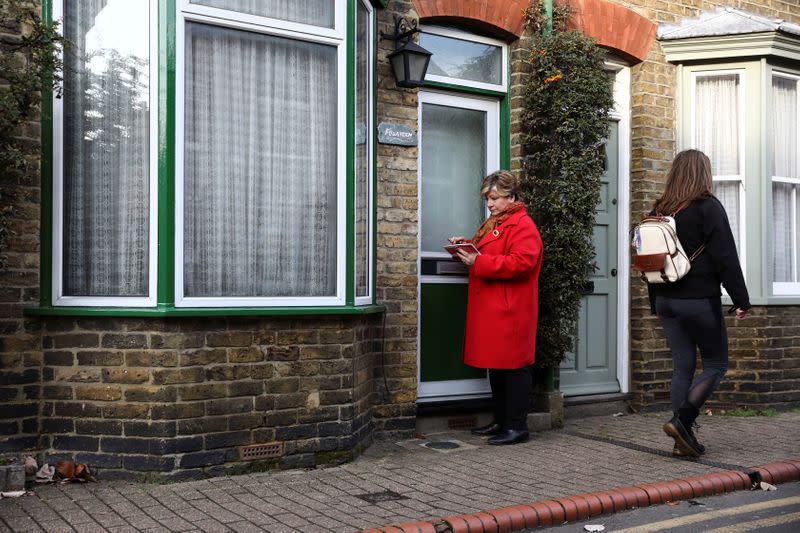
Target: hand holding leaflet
[468, 247]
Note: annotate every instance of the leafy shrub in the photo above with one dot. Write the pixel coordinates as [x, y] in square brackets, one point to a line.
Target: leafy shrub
[29, 62]
[565, 122]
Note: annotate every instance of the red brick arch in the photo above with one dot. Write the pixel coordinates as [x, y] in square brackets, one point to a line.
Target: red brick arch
[615, 27]
[623, 31]
[500, 18]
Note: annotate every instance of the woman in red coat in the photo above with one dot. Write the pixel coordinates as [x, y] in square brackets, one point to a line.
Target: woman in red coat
[502, 305]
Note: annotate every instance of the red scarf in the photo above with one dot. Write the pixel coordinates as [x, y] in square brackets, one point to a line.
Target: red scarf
[495, 220]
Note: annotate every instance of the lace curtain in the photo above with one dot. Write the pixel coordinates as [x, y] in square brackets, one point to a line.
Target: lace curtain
[259, 165]
[717, 134]
[106, 149]
[785, 245]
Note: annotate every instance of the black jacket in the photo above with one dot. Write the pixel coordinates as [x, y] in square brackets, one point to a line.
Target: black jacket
[705, 221]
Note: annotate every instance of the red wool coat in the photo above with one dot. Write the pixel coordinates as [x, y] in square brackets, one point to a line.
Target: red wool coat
[503, 295]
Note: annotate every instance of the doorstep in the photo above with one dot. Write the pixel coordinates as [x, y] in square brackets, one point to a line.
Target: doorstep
[597, 405]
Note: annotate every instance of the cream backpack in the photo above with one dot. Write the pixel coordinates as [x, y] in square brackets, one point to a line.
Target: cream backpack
[657, 253]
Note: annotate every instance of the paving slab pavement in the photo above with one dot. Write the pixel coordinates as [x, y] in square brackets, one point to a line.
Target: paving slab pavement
[410, 481]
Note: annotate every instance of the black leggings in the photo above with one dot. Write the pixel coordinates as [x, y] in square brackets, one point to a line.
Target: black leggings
[511, 395]
[690, 324]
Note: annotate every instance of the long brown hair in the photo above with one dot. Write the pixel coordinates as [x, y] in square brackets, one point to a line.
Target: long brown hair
[688, 179]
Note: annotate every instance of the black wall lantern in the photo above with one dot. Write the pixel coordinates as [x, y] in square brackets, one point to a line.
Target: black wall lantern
[409, 60]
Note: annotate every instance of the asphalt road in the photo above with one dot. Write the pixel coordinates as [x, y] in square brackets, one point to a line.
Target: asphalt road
[763, 511]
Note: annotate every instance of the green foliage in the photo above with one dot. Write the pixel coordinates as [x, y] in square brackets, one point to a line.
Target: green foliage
[29, 62]
[565, 122]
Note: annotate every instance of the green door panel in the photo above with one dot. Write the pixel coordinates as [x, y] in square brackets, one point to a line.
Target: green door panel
[444, 311]
[591, 367]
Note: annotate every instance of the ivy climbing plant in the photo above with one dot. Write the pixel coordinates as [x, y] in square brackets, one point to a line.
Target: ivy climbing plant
[567, 99]
[29, 62]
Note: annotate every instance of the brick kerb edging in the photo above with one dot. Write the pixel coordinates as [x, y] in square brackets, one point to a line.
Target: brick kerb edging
[583, 506]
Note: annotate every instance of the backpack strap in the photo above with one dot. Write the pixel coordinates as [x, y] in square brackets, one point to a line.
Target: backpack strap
[697, 252]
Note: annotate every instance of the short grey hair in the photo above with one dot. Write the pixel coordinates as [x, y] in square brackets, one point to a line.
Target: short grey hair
[502, 181]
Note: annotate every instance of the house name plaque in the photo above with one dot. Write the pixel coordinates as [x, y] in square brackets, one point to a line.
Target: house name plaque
[396, 134]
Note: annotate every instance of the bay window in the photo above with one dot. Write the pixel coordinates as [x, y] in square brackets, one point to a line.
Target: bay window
[104, 148]
[785, 184]
[741, 106]
[272, 146]
[718, 102]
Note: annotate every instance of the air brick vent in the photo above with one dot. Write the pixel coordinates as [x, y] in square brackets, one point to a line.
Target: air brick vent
[461, 423]
[254, 452]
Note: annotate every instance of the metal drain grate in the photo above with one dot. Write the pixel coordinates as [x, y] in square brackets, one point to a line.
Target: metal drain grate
[260, 451]
[463, 422]
[442, 445]
[385, 496]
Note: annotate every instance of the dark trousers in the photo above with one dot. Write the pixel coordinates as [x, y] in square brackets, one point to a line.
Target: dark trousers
[511, 391]
[689, 325]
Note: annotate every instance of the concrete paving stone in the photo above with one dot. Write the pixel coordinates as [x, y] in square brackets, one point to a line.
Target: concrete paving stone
[218, 495]
[109, 520]
[209, 525]
[189, 493]
[251, 513]
[63, 504]
[79, 517]
[327, 522]
[212, 509]
[313, 528]
[23, 524]
[55, 526]
[91, 528]
[123, 529]
[124, 509]
[246, 527]
[176, 524]
[158, 512]
[143, 522]
[291, 519]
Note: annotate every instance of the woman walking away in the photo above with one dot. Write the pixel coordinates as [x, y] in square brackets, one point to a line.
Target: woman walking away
[502, 305]
[690, 310]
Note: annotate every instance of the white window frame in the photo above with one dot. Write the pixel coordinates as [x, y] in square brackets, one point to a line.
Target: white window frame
[471, 37]
[490, 106]
[740, 178]
[785, 288]
[187, 12]
[58, 298]
[225, 17]
[370, 137]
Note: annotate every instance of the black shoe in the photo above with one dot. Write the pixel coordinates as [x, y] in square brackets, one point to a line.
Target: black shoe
[677, 452]
[510, 436]
[684, 440]
[490, 429]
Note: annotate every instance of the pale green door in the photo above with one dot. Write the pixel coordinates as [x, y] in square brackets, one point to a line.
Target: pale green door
[458, 145]
[591, 368]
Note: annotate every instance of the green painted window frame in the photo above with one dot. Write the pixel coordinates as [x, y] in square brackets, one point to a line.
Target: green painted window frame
[165, 289]
[758, 235]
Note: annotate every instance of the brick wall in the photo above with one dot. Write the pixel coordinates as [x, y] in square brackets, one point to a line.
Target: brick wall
[397, 245]
[128, 395]
[20, 340]
[764, 349]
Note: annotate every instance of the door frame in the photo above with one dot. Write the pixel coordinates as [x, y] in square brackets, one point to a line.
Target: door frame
[622, 114]
[470, 388]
